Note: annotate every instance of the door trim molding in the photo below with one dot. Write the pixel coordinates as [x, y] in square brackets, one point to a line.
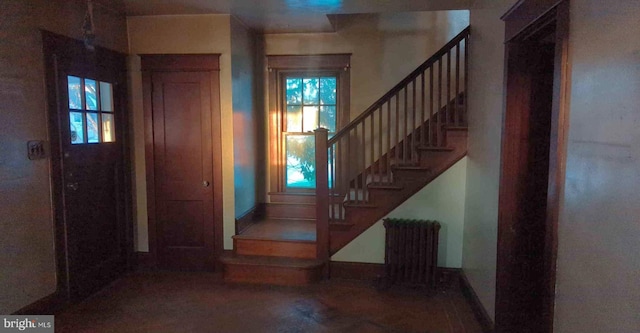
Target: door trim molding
[524, 20]
[182, 63]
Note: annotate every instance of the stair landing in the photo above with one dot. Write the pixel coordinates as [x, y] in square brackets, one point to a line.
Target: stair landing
[274, 251]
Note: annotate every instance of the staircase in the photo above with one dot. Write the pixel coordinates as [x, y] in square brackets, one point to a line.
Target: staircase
[401, 143]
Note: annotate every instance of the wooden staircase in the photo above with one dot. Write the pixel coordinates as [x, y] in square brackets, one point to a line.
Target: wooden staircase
[401, 143]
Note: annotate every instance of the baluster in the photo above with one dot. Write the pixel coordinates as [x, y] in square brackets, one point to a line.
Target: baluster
[448, 101]
[379, 163]
[413, 121]
[431, 119]
[397, 143]
[364, 161]
[371, 148]
[439, 106]
[389, 140]
[422, 109]
[455, 104]
[466, 82]
[404, 135]
[331, 181]
[356, 164]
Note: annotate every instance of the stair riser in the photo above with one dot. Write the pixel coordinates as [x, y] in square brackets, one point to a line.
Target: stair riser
[290, 211]
[271, 248]
[271, 275]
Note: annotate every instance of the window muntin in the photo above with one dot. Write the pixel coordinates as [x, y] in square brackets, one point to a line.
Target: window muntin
[91, 118]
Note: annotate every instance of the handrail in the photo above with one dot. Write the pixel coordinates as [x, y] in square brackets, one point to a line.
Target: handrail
[398, 87]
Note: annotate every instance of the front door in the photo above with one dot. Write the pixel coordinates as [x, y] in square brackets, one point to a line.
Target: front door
[87, 107]
[183, 162]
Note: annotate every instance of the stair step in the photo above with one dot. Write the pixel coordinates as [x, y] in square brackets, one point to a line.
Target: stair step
[411, 167]
[294, 238]
[385, 186]
[340, 226]
[290, 210]
[431, 148]
[270, 270]
[352, 203]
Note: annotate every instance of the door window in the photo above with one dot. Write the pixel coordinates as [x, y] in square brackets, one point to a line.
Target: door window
[91, 118]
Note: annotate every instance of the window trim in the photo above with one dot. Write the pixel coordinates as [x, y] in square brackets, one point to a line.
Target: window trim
[280, 66]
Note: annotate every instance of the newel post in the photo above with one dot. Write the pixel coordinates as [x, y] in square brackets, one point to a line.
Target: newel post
[322, 195]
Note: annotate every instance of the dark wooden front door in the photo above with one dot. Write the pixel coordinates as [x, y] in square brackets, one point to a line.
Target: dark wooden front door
[183, 163]
[88, 112]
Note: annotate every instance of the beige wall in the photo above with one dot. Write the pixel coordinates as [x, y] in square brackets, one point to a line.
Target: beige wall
[182, 34]
[598, 267]
[441, 200]
[26, 225]
[483, 168]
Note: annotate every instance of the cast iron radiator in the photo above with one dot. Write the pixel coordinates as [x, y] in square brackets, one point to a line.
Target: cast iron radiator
[411, 252]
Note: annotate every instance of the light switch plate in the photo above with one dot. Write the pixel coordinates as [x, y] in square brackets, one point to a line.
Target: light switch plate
[36, 150]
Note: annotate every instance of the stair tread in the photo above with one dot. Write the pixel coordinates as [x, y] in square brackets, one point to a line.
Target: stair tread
[287, 230]
[410, 167]
[387, 186]
[432, 148]
[235, 259]
[351, 203]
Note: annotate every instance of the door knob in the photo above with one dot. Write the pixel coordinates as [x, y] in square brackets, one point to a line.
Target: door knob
[72, 186]
[205, 183]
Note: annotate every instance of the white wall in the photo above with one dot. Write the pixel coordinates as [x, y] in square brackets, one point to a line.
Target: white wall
[441, 200]
[182, 34]
[598, 267]
[486, 72]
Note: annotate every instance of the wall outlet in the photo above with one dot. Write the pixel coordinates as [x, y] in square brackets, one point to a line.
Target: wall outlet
[36, 150]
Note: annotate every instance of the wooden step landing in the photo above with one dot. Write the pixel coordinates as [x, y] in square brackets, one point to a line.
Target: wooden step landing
[293, 238]
[271, 270]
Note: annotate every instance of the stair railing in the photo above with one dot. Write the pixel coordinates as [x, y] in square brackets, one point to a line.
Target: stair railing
[412, 114]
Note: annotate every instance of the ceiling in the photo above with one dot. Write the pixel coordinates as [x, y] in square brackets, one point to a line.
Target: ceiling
[271, 16]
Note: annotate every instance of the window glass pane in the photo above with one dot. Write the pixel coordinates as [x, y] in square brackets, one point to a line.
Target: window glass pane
[75, 92]
[76, 120]
[106, 97]
[328, 117]
[301, 169]
[90, 94]
[310, 91]
[93, 128]
[294, 91]
[328, 90]
[294, 118]
[309, 118]
[108, 128]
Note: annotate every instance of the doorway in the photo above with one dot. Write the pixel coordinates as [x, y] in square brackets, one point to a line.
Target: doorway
[183, 160]
[532, 174]
[86, 94]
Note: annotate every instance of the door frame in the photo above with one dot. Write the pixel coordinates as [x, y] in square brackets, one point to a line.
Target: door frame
[210, 63]
[524, 19]
[55, 45]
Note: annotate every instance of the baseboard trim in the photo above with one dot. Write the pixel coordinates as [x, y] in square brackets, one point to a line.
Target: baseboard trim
[48, 305]
[144, 261]
[478, 309]
[248, 218]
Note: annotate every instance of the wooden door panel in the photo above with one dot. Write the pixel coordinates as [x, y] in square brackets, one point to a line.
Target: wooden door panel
[90, 191]
[184, 170]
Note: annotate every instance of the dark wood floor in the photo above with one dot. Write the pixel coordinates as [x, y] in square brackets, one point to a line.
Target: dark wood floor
[201, 302]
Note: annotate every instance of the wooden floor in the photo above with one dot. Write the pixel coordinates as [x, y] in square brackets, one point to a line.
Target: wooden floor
[201, 302]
